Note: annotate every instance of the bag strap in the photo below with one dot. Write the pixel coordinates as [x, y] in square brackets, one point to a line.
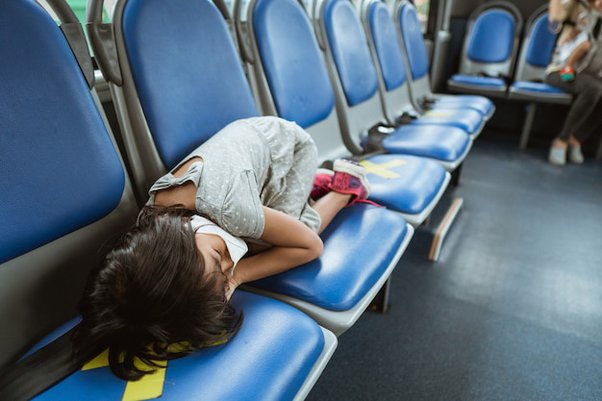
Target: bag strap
[44, 368]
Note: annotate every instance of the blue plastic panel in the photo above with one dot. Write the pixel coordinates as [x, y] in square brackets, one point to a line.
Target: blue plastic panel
[466, 119]
[387, 46]
[343, 276]
[291, 59]
[60, 171]
[269, 359]
[541, 44]
[535, 87]
[413, 41]
[185, 99]
[496, 83]
[350, 51]
[406, 184]
[434, 141]
[492, 37]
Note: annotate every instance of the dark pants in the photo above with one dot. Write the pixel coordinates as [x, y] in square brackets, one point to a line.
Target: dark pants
[585, 112]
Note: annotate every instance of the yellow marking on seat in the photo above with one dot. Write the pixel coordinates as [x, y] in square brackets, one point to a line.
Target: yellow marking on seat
[148, 387]
[100, 361]
[382, 170]
[439, 113]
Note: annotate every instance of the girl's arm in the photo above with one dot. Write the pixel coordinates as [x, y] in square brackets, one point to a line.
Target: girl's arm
[580, 51]
[559, 10]
[293, 244]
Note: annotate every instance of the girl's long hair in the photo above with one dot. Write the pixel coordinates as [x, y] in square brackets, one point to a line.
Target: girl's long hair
[151, 299]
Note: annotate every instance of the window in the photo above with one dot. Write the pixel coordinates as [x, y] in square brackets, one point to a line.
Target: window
[422, 7]
[79, 7]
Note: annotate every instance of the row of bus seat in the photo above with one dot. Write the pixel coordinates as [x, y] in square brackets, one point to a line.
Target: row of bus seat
[492, 64]
[176, 78]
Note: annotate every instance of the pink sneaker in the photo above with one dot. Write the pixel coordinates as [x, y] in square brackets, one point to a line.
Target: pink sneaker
[350, 178]
[322, 181]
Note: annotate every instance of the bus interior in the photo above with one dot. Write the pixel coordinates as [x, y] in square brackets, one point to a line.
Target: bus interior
[474, 275]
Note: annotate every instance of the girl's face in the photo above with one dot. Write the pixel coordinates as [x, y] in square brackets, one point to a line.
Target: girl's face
[215, 254]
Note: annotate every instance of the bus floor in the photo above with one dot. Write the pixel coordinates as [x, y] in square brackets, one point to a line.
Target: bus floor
[513, 309]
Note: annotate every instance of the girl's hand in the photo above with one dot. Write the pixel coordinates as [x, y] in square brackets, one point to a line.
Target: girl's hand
[231, 287]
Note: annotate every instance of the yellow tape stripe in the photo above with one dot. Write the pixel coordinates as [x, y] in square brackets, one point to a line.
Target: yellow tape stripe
[439, 113]
[148, 387]
[382, 170]
[100, 361]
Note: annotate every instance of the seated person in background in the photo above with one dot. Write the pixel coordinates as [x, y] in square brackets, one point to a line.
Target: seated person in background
[570, 51]
[163, 291]
[569, 71]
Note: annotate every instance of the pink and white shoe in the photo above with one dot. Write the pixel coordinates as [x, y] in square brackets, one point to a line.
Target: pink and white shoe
[350, 178]
[322, 181]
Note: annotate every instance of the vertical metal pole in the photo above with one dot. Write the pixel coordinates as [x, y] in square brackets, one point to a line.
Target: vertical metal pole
[524, 138]
[381, 301]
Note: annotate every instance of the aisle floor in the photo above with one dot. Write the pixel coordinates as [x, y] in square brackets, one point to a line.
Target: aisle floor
[512, 311]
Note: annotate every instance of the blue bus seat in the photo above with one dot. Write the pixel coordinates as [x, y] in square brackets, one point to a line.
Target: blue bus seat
[292, 81]
[489, 51]
[528, 86]
[536, 53]
[272, 357]
[63, 188]
[348, 48]
[385, 46]
[414, 51]
[203, 84]
[77, 197]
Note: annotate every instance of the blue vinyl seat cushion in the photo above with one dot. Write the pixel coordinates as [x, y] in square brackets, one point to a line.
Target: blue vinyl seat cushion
[435, 141]
[269, 359]
[540, 87]
[478, 81]
[469, 120]
[343, 275]
[407, 184]
[478, 103]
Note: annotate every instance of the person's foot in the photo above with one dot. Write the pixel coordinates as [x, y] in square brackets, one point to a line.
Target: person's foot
[350, 178]
[575, 154]
[557, 155]
[322, 181]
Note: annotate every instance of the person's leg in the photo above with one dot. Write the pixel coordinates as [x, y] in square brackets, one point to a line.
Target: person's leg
[328, 206]
[575, 155]
[587, 91]
[591, 123]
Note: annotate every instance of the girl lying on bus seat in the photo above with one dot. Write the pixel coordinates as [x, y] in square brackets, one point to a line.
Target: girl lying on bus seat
[169, 279]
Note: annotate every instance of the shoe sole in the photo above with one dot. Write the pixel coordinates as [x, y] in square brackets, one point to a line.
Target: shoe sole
[357, 171]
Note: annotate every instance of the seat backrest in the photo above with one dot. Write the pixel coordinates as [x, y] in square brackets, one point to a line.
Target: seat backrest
[63, 189]
[288, 70]
[414, 48]
[537, 48]
[386, 48]
[172, 99]
[356, 67]
[492, 39]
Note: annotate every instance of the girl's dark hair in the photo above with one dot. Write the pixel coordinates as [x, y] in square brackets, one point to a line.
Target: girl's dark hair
[151, 299]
